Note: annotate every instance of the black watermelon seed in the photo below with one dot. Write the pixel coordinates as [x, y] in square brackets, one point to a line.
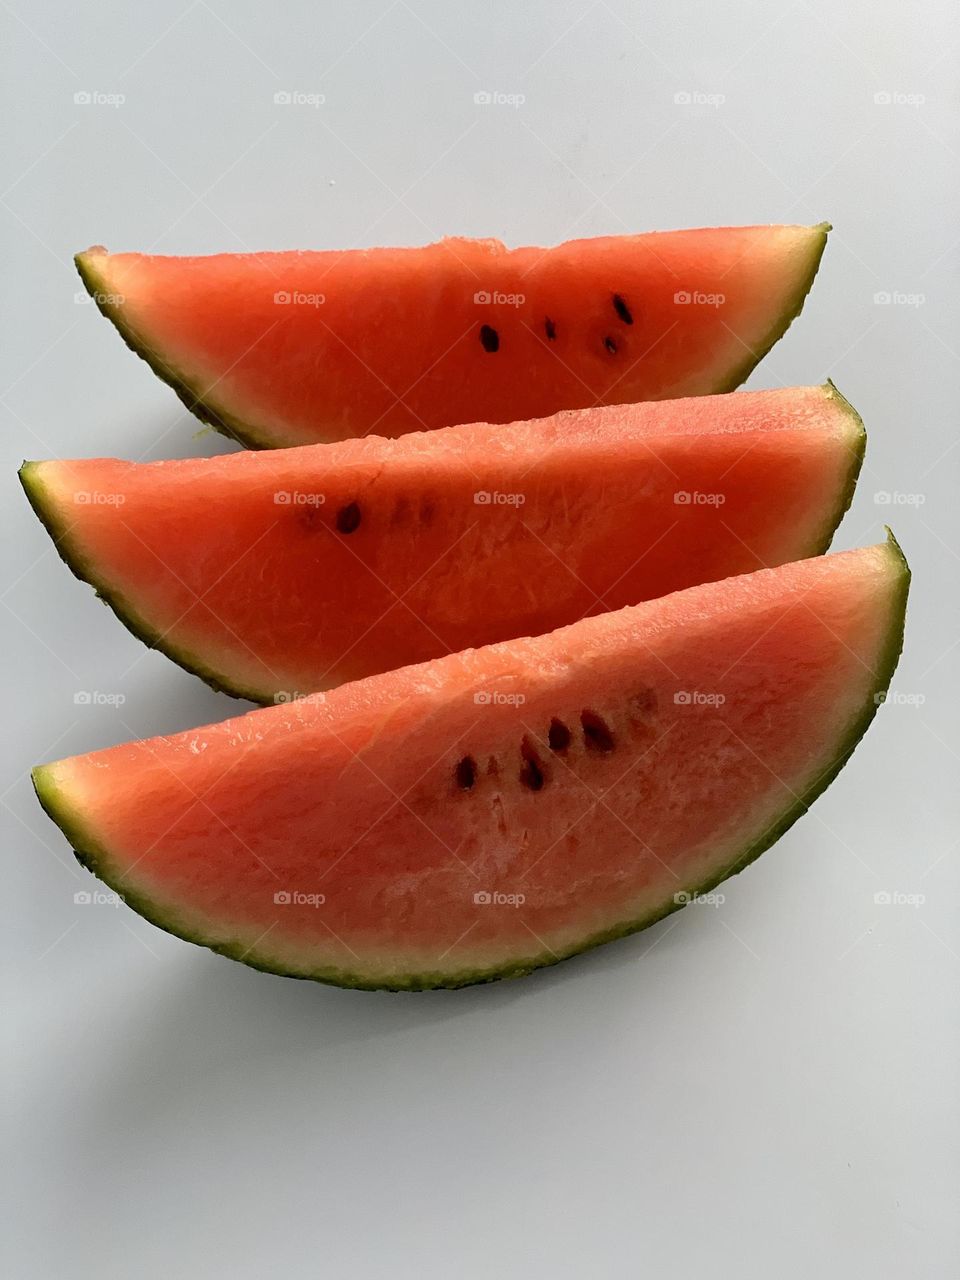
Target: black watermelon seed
[622, 310]
[489, 338]
[549, 328]
[611, 346]
[348, 518]
[532, 775]
[558, 736]
[466, 773]
[596, 732]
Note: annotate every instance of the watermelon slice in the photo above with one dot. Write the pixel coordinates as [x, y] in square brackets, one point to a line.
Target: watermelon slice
[295, 570]
[486, 813]
[294, 348]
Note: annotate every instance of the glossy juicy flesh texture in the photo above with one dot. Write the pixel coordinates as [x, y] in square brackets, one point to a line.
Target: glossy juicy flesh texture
[291, 348]
[483, 814]
[295, 570]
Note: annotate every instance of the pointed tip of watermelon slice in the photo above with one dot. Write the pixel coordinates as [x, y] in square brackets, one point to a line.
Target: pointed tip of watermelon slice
[894, 547]
[858, 431]
[36, 478]
[858, 448]
[30, 476]
[53, 801]
[810, 256]
[91, 265]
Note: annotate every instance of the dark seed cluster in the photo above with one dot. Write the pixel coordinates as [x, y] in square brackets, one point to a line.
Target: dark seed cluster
[490, 338]
[534, 771]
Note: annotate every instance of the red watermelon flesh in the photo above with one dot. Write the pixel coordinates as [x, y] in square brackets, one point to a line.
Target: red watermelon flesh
[483, 814]
[294, 570]
[295, 348]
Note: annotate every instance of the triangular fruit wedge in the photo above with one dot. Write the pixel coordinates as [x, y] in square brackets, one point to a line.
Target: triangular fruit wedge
[295, 570]
[294, 348]
[483, 814]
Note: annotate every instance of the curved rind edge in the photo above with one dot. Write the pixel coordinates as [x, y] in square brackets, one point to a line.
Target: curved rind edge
[126, 612]
[202, 406]
[199, 404]
[786, 318]
[45, 512]
[858, 449]
[91, 854]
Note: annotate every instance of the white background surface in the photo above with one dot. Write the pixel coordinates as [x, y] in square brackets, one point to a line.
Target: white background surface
[768, 1088]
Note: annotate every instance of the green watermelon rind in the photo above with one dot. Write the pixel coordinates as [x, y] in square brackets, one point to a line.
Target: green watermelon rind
[786, 318]
[59, 530]
[95, 857]
[205, 407]
[858, 448]
[81, 567]
[199, 404]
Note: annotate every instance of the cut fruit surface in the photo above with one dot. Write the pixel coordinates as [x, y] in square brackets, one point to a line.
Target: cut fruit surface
[294, 570]
[487, 813]
[281, 349]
